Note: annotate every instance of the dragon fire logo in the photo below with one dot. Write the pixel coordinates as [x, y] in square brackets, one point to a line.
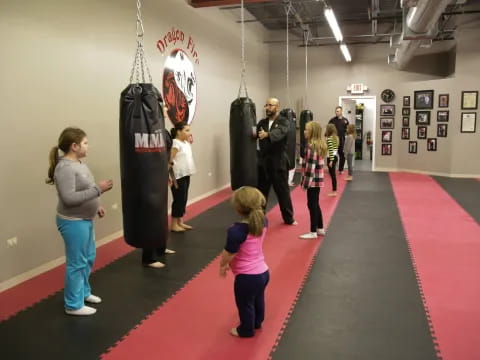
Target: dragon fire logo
[179, 87]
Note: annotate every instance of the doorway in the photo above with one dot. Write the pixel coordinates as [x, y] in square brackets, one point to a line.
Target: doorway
[361, 111]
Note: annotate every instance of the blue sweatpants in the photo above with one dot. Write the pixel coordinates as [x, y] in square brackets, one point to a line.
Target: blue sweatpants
[80, 252]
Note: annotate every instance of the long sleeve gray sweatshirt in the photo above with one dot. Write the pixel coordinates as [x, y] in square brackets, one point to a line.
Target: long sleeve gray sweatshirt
[78, 195]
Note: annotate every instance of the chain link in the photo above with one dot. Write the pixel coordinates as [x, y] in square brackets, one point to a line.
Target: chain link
[287, 12]
[305, 37]
[243, 80]
[140, 64]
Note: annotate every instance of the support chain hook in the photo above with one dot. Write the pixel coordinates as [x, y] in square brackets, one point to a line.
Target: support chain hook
[140, 65]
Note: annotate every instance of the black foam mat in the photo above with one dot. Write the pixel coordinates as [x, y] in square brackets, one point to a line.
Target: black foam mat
[129, 292]
[361, 300]
[465, 191]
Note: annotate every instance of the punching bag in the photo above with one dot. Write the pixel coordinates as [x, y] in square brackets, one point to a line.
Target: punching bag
[305, 117]
[243, 143]
[143, 167]
[291, 136]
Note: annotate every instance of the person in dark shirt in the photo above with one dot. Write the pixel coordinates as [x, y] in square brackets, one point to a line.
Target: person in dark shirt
[341, 124]
[273, 162]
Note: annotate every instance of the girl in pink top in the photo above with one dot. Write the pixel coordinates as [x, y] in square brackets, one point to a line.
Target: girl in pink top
[243, 254]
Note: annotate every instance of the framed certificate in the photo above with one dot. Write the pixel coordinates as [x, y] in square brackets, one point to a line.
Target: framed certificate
[469, 120]
[469, 100]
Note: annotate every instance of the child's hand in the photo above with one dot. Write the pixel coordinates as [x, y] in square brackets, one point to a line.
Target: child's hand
[223, 271]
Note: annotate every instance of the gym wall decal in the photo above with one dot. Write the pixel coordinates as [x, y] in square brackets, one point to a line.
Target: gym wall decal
[174, 36]
[179, 83]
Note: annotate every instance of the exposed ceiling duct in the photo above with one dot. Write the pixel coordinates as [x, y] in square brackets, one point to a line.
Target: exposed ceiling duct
[419, 24]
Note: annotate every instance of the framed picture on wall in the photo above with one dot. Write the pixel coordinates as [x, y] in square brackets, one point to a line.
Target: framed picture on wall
[405, 121]
[443, 100]
[422, 118]
[406, 101]
[469, 100]
[405, 111]
[387, 110]
[442, 115]
[386, 123]
[405, 133]
[387, 136]
[422, 132]
[386, 149]
[442, 130]
[469, 122]
[423, 99]
[432, 144]
[412, 147]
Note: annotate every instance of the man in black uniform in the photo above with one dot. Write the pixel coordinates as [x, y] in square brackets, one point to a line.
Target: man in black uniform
[341, 124]
[273, 161]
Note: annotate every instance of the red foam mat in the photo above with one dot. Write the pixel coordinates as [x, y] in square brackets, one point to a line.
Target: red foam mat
[444, 242]
[33, 290]
[195, 322]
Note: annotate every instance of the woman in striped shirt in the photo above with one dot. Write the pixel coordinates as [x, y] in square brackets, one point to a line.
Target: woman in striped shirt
[332, 144]
[312, 176]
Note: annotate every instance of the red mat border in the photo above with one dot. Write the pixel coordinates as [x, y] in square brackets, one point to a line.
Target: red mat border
[445, 347]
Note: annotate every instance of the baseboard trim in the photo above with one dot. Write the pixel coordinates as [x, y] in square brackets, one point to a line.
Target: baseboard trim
[434, 173]
[16, 280]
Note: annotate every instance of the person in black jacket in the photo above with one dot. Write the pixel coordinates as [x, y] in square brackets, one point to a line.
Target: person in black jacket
[273, 161]
[341, 124]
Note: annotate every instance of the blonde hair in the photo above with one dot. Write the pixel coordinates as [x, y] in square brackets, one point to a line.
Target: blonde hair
[69, 136]
[352, 130]
[250, 202]
[316, 139]
[331, 131]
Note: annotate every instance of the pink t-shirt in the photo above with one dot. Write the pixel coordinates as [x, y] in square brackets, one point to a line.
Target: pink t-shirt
[249, 257]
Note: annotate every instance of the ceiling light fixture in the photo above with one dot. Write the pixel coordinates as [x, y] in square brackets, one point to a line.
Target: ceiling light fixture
[345, 52]
[332, 21]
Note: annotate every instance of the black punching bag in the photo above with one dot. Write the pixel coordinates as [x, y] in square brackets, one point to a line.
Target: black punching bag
[305, 117]
[143, 167]
[291, 136]
[243, 143]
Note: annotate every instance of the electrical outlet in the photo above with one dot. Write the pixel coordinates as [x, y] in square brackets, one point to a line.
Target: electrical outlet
[12, 242]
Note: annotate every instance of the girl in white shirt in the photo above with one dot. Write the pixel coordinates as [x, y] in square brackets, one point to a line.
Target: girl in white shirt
[183, 165]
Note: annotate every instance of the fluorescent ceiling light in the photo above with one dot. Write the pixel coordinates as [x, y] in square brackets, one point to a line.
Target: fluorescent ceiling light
[345, 52]
[332, 21]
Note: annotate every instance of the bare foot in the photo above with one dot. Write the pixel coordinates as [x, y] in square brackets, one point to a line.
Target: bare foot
[234, 332]
[186, 227]
[169, 251]
[334, 193]
[177, 229]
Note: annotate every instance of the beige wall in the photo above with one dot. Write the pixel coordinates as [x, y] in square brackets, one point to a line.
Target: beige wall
[329, 76]
[65, 63]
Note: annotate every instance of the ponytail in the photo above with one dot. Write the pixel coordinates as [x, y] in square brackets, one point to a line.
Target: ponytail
[69, 136]
[250, 203]
[256, 221]
[53, 161]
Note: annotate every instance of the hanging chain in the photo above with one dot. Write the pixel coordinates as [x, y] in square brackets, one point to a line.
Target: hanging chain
[305, 37]
[243, 81]
[287, 12]
[140, 64]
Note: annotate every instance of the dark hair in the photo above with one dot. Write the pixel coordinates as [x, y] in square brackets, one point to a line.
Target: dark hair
[338, 107]
[178, 127]
[69, 136]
